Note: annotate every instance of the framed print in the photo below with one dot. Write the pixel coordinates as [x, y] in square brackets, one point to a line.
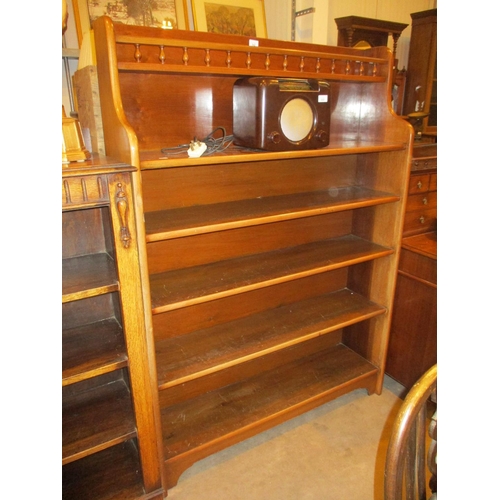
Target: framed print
[169, 14]
[230, 17]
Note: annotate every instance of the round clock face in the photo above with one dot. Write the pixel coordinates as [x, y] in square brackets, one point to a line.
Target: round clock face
[297, 119]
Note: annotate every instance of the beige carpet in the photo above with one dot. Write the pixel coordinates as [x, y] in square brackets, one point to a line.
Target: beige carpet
[335, 452]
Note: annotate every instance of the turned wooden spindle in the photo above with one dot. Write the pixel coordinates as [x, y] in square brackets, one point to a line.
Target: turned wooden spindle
[137, 53]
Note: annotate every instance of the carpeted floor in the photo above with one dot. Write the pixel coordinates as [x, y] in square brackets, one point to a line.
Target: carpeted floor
[335, 452]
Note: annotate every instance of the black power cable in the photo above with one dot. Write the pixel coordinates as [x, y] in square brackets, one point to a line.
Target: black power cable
[214, 145]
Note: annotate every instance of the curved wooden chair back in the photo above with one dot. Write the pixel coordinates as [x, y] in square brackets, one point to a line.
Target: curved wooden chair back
[409, 462]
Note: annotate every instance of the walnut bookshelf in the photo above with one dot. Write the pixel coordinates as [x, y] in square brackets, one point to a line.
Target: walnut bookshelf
[268, 277]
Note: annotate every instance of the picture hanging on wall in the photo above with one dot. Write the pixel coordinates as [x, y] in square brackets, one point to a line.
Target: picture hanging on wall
[230, 17]
[154, 13]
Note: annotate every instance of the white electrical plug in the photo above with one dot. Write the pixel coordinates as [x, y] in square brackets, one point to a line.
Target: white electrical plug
[196, 149]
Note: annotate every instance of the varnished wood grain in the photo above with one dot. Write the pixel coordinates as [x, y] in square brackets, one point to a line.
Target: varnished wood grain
[424, 244]
[220, 216]
[219, 183]
[151, 159]
[422, 221]
[208, 248]
[95, 420]
[216, 348]
[111, 473]
[271, 395]
[413, 341]
[87, 276]
[191, 286]
[91, 350]
[209, 314]
[86, 232]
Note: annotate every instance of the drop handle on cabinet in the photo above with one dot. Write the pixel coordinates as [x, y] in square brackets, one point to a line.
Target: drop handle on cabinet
[122, 206]
[424, 201]
[422, 219]
[419, 184]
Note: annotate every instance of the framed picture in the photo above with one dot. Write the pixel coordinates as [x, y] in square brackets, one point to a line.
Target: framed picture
[231, 17]
[156, 13]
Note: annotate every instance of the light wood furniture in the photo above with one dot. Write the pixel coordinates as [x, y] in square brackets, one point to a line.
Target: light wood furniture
[110, 421]
[270, 275]
[421, 82]
[413, 340]
[412, 451]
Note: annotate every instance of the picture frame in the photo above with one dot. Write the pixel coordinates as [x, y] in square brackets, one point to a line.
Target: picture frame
[85, 11]
[230, 17]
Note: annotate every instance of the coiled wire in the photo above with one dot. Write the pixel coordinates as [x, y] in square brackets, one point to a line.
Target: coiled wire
[214, 144]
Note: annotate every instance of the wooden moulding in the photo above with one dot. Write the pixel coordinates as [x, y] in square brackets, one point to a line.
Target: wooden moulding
[73, 146]
[89, 107]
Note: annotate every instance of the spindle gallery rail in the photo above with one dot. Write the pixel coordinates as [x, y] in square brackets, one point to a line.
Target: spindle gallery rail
[162, 54]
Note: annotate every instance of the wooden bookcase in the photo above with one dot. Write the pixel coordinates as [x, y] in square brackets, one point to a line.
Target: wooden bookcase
[110, 422]
[268, 277]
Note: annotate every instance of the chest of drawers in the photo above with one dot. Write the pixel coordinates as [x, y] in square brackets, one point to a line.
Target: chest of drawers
[421, 207]
[413, 339]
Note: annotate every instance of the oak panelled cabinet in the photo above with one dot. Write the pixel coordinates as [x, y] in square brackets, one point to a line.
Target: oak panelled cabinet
[267, 277]
[109, 426]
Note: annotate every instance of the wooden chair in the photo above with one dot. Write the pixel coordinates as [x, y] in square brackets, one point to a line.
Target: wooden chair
[405, 467]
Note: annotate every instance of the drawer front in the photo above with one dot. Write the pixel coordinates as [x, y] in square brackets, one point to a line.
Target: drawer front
[421, 201]
[84, 190]
[424, 164]
[419, 183]
[433, 185]
[420, 221]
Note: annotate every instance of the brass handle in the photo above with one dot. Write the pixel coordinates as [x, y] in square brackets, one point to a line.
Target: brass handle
[424, 201]
[122, 206]
[422, 219]
[419, 184]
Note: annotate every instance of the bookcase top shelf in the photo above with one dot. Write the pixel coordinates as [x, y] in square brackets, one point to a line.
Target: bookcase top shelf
[163, 88]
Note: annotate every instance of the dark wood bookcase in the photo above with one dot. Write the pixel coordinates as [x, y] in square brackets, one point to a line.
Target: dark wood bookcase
[268, 277]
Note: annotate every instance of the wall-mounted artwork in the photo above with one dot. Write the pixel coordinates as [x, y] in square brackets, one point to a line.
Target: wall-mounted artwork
[230, 17]
[155, 13]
